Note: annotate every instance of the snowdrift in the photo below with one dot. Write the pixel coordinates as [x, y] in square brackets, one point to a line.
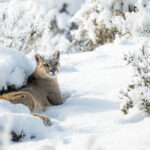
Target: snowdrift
[15, 68]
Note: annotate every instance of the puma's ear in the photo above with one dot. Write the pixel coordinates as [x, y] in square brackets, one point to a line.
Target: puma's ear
[38, 58]
[56, 55]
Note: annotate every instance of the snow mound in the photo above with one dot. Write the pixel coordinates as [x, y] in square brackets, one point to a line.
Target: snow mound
[14, 68]
[20, 121]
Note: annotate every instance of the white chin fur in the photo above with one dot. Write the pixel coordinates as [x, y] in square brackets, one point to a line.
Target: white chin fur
[52, 75]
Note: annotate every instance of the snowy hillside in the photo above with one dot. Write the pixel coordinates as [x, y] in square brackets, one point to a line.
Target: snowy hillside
[104, 76]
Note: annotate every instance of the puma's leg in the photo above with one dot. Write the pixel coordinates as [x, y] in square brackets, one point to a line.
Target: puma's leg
[55, 99]
[45, 119]
[20, 97]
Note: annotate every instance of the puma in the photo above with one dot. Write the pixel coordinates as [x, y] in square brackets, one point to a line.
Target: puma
[42, 88]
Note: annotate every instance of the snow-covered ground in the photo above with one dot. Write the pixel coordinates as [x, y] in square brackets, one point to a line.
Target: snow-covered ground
[90, 118]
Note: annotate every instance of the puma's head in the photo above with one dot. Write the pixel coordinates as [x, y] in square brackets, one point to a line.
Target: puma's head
[48, 68]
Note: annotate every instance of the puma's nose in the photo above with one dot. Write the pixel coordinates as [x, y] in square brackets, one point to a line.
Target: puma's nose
[53, 70]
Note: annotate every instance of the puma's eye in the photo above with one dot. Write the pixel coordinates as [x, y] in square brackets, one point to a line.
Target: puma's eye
[46, 65]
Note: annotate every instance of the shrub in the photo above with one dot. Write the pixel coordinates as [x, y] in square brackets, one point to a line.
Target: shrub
[35, 25]
[100, 20]
[137, 94]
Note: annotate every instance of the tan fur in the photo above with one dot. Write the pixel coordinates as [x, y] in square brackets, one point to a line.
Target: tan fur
[41, 90]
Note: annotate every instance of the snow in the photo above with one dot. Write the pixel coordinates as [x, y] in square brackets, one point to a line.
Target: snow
[14, 67]
[29, 125]
[90, 117]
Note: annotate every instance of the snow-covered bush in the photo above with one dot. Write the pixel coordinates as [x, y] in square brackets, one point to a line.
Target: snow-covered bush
[36, 25]
[100, 20]
[19, 28]
[137, 94]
